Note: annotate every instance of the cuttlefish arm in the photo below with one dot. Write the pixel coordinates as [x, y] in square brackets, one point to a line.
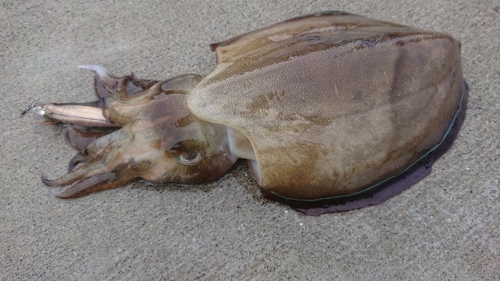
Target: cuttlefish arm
[90, 114]
[153, 136]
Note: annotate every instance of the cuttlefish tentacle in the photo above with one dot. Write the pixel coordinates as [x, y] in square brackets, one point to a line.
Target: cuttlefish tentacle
[79, 137]
[91, 177]
[78, 159]
[94, 156]
[105, 85]
[86, 155]
[107, 163]
[104, 82]
[84, 118]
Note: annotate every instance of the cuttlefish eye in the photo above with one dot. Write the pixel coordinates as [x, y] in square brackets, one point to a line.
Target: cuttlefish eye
[190, 158]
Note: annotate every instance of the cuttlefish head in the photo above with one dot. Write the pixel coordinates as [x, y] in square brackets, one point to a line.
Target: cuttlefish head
[157, 139]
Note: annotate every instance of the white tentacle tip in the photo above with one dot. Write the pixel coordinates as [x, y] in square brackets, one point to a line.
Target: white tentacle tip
[98, 69]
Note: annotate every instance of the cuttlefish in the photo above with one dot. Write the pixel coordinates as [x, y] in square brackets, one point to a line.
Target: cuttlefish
[333, 111]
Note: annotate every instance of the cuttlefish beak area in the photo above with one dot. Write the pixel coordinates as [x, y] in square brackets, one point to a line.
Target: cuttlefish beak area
[158, 139]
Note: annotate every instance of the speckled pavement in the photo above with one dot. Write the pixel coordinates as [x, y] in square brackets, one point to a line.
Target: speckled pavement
[446, 227]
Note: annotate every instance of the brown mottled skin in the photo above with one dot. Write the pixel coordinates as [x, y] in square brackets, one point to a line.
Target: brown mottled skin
[332, 104]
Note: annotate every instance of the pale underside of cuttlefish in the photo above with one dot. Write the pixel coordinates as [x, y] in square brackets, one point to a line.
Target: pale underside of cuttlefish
[333, 111]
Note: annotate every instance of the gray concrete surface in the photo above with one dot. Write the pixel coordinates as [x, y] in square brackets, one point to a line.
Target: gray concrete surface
[444, 228]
